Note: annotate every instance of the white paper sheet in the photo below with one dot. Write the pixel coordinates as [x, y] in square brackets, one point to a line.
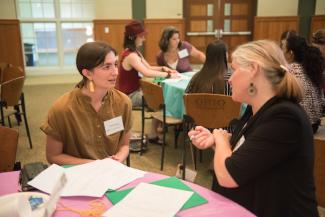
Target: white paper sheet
[91, 179]
[147, 200]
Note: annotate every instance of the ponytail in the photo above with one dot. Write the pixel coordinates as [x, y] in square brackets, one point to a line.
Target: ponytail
[289, 87]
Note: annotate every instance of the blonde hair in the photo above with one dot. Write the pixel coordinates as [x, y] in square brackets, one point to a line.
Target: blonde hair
[270, 58]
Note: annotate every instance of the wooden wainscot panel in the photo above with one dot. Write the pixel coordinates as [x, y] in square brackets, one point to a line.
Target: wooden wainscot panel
[155, 28]
[272, 27]
[10, 43]
[111, 31]
[317, 22]
[319, 168]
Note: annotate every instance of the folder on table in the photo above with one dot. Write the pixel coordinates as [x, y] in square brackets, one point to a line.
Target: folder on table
[171, 182]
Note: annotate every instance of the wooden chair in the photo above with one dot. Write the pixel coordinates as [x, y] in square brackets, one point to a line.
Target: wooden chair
[319, 170]
[12, 96]
[208, 110]
[153, 95]
[2, 67]
[8, 148]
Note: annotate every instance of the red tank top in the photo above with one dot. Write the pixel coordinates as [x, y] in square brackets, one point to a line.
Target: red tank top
[128, 81]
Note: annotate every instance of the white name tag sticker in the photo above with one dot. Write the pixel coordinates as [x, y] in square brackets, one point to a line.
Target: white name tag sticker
[183, 53]
[239, 143]
[113, 125]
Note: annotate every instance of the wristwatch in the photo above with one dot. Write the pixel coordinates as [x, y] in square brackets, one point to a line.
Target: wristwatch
[168, 75]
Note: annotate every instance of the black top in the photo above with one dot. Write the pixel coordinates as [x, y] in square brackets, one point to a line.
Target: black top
[274, 165]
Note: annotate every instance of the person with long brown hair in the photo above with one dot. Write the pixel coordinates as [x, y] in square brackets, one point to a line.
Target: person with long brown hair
[210, 79]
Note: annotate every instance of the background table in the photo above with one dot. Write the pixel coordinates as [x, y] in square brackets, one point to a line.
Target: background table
[173, 95]
[217, 205]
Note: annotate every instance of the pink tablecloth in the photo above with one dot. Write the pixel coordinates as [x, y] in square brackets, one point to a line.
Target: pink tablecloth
[217, 205]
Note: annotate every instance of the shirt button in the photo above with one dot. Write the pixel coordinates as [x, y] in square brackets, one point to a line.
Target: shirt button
[98, 125]
[99, 136]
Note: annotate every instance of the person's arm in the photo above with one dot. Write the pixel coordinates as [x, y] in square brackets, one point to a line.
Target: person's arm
[123, 152]
[54, 153]
[221, 152]
[134, 61]
[201, 137]
[197, 54]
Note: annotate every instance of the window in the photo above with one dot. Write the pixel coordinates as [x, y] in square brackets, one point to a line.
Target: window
[53, 30]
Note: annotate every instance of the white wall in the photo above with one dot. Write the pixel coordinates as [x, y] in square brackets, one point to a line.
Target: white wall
[320, 7]
[164, 9]
[277, 7]
[8, 9]
[113, 9]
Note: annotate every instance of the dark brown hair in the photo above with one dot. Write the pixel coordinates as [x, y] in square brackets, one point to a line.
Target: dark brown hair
[166, 35]
[308, 56]
[319, 37]
[91, 55]
[210, 79]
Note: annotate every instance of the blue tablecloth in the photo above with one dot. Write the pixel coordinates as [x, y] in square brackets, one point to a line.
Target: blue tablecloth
[173, 95]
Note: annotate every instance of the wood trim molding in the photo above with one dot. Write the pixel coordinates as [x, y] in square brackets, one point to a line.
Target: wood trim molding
[9, 22]
[272, 27]
[122, 21]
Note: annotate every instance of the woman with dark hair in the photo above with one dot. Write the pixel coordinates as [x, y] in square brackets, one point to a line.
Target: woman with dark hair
[318, 40]
[175, 54]
[133, 65]
[210, 79]
[93, 120]
[285, 35]
[306, 64]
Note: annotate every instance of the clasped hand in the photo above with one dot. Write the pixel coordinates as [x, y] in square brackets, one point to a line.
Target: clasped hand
[202, 138]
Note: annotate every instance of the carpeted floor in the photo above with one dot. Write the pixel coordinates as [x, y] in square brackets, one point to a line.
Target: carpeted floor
[39, 98]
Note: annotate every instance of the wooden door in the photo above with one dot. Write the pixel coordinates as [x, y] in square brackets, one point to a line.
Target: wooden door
[228, 20]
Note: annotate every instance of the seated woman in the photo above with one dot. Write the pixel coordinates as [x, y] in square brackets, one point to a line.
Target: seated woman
[318, 40]
[307, 65]
[175, 54]
[210, 79]
[93, 120]
[133, 65]
[266, 165]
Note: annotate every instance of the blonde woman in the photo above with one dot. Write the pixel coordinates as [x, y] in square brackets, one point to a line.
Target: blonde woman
[266, 165]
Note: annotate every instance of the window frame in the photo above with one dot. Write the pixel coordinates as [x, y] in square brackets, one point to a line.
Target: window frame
[58, 21]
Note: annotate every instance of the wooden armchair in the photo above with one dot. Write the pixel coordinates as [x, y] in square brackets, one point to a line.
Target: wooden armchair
[153, 95]
[12, 96]
[8, 148]
[208, 110]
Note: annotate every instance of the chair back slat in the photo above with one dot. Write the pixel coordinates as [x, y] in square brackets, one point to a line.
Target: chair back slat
[11, 72]
[8, 148]
[11, 91]
[211, 110]
[153, 95]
